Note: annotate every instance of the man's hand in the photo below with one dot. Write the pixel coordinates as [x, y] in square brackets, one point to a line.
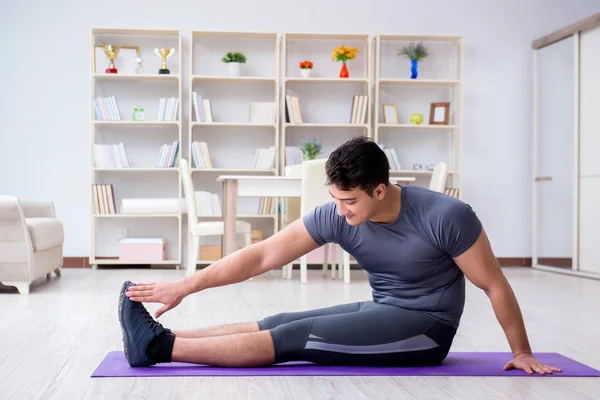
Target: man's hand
[168, 293]
[529, 364]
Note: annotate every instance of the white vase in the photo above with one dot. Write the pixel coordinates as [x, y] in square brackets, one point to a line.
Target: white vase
[305, 72]
[234, 68]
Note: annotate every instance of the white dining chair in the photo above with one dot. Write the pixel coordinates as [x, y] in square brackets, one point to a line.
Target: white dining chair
[197, 229]
[314, 193]
[439, 177]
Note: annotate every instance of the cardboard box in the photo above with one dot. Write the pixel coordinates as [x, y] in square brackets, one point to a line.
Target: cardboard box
[211, 252]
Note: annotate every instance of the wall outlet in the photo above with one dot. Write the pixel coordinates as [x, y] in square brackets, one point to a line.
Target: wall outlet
[122, 233]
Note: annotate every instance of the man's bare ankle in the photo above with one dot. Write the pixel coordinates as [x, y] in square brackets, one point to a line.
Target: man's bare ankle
[230, 329]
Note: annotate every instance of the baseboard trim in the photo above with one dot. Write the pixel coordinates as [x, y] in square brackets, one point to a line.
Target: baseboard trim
[84, 262]
[514, 261]
[76, 262]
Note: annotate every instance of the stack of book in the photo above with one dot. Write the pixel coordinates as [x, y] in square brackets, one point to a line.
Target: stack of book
[358, 113]
[200, 155]
[292, 110]
[167, 108]
[106, 108]
[263, 113]
[452, 192]
[110, 156]
[293, 155]
[208, 204]
[393, 159]
[104, 199]
[266, 206]
[202, 109]
[167, 154]
[264, 158]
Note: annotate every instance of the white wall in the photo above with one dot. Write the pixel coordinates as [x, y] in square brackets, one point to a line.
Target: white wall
[44, 77]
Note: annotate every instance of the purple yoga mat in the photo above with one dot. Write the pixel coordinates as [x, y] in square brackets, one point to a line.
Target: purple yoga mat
[456, 364]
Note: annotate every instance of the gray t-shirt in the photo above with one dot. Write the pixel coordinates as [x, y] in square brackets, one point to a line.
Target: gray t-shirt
[409, 261]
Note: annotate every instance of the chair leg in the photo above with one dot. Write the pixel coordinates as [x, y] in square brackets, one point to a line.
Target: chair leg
[326, 259]
[193, 251]
[346, 267]
[340, 261]
[341, 265]
[303, 269]
[49, 276]
[57, 272]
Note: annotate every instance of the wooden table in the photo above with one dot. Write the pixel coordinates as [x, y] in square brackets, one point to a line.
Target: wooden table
[235, 186]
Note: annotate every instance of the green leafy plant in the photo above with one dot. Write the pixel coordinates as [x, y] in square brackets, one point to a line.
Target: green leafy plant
[234, 56]
[310, 149]
[415, 52]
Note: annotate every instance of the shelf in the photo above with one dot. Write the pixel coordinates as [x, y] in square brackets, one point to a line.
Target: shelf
[135, 77]
[432, 38]
[172, 169]
[233, 124]
[325, 125]
[233, 35]
[115, 261]
[249, 170]
[136, 215]
[239, 216]
[138, 123]
[326, 36]
[418, 172]
[419, 82]
[117, 31]
[215, 78]
[423, 126]
[327, 80]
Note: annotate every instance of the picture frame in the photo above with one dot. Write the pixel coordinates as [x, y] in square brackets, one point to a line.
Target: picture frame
[390, 114]
[439, 113]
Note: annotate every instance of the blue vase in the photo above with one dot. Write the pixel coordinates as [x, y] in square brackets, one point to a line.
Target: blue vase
[414, 69]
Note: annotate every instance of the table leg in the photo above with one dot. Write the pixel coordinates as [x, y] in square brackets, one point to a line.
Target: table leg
[229, 215]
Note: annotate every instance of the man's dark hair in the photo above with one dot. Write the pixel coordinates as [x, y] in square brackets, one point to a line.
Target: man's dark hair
[358, 163]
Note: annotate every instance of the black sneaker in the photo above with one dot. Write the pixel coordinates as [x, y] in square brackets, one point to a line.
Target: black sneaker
[138, 327]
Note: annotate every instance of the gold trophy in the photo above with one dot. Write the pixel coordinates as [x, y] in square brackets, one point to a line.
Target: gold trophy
[164, 54]
[111, 52]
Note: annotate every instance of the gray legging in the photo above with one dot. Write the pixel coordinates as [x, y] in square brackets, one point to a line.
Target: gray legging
[364, 333]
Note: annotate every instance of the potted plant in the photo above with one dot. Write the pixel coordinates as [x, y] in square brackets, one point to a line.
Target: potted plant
[415, 53]
[310, 149]
[234, 59]
[305, 67]
[344, 54]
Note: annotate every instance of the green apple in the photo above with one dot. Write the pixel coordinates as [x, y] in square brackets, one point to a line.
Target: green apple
[416, 118]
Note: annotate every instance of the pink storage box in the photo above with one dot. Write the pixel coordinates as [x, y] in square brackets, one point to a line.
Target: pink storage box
[142, 249]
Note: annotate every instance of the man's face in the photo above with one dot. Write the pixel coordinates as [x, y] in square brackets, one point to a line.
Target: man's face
[356, 205]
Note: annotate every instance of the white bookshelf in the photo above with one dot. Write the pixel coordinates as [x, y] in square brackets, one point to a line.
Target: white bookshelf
[439, 80]
[231, 137]
[142, 140]
[325, 99]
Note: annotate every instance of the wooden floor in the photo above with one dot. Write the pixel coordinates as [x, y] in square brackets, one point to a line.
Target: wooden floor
[53, 339]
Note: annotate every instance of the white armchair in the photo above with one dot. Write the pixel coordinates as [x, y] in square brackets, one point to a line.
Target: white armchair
[31, 242]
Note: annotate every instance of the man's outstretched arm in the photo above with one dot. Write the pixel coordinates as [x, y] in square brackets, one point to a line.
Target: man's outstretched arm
[276, 251]
[481, 267]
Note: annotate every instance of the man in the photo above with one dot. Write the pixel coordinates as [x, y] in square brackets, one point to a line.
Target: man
[417, 246]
